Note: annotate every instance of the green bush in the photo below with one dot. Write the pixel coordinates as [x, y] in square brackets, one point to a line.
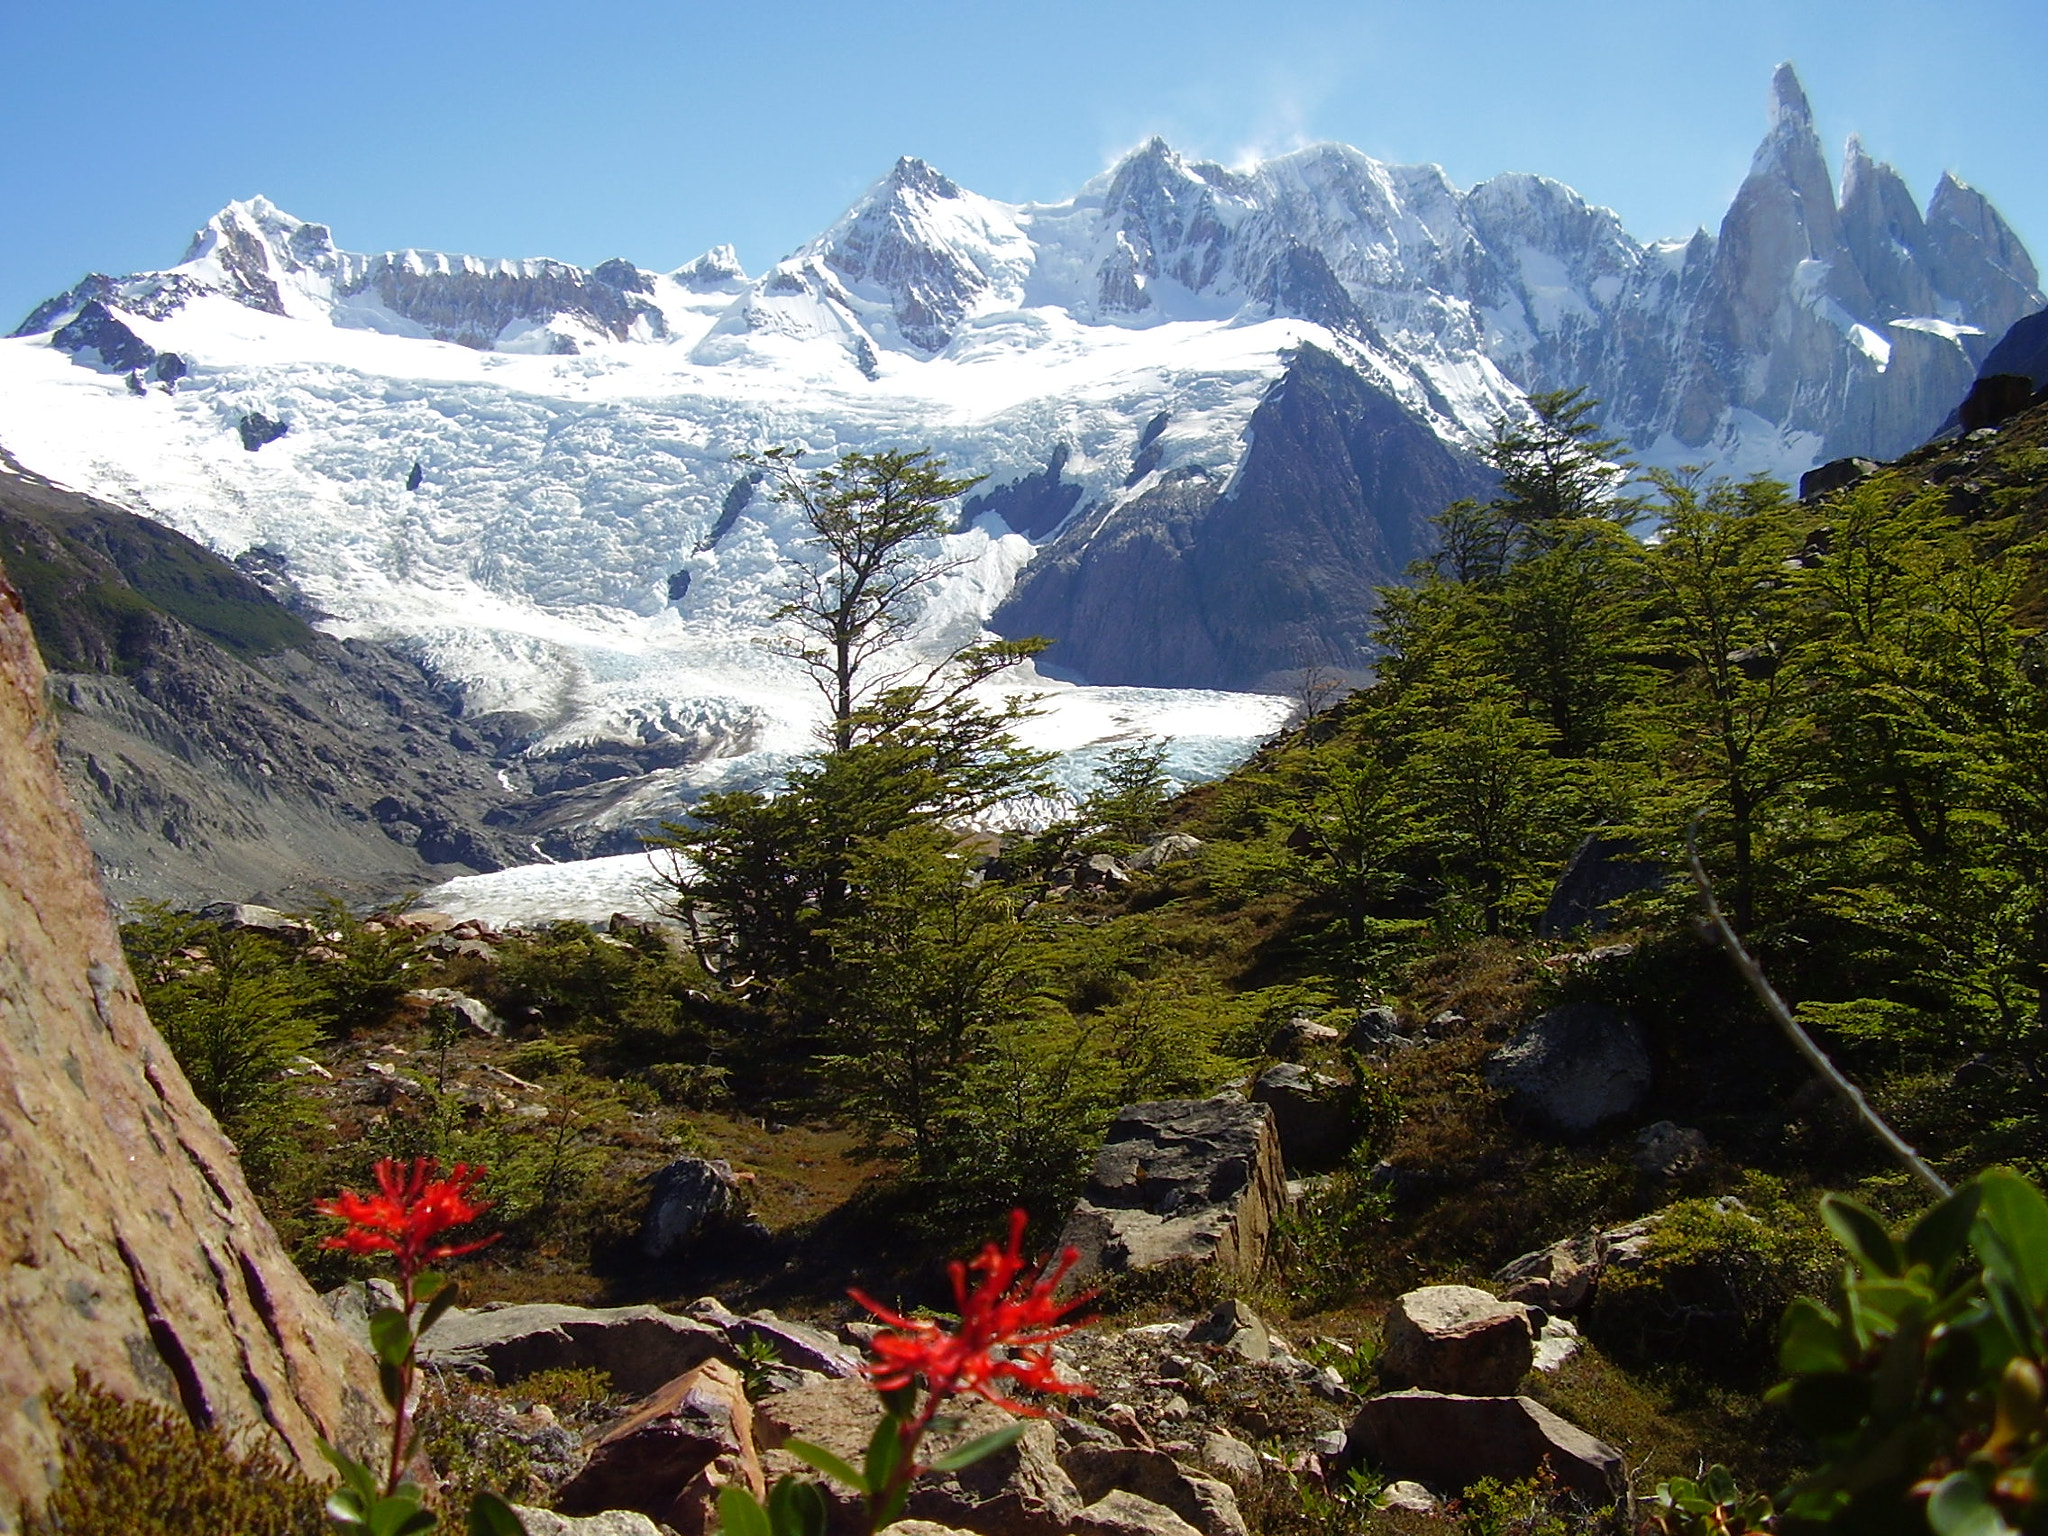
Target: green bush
[1713, 1280]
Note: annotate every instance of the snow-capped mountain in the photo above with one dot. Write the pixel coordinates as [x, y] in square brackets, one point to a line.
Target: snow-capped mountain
[1214, 407]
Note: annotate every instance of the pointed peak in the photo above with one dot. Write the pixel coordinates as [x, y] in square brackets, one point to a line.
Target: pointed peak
[1789, 107]
[913, 175]
[720, 264]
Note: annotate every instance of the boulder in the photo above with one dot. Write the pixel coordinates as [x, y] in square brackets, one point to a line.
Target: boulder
[1559, 1278]
[130, 1246]
[1187, 1180]
[1408, 1498]
[686, 1197]
[1019, 1491]
[672, 1454]
[1601, 871]
[1377, 1029]
[1231, 1456]
[1457, 1338]
[1573, 1066]
[1237, 1328]
[1835, 475]
[1167, 850]
[1122, 1513]
[1203, 1502]
[1557, 1345]
[248, 916]
[1450, 1441]
[1312, 1114]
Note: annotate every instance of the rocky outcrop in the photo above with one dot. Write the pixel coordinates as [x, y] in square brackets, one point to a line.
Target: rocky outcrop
[1314, 1114]
[686, 1197]
[133, 1249]
[1180, 1181]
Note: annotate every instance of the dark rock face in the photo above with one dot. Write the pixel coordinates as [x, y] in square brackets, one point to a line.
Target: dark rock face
[1993, 398]
[1193, 585]
[216, 742]
[1312, 1114]
[96, 330]
[688, 1195]
[2023, 349]
[1034, 506]
[472, 305]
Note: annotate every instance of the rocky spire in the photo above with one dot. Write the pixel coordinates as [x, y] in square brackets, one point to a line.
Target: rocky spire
[1884, 234]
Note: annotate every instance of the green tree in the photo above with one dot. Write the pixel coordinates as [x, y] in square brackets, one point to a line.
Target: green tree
[1727, 614]
[1130, 794]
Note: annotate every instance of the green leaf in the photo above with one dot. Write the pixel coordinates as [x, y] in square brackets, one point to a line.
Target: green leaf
[392, 1379]
[1961, 1506]
[1863, 1235]
[443, 1296]
[826, 1462]
[389, 1335]
[1812, 1340]
[796, 1508]
[490, 1515]
[355, 1477]
[2012, 1233]
[741, 1514]
[974, 1450]
[346, 1511]
[1941, 1236]
[885, 1455]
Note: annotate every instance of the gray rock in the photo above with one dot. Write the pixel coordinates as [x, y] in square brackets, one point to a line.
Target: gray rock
[795, 1344]
[649, 1460]
[1191, 1180]
[1302, 1033]
[1313, 1114]
[1574, 1066]
[686, 1197]
[1452, 1441]
[1232, 1457]
[1376, 1028]
[1835, 475]
[247, 915]
[1557, 1345]
[1408, 1497]
[1456, 1338]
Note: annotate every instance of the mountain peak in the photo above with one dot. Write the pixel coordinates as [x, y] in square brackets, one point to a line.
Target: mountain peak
[1789, 106]
[911, 174]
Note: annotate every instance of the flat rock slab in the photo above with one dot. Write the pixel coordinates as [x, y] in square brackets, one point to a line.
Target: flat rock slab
[1451, 1441]
[1457, 1338]
[643, 1348]
[1188, 1180]
[613, 1522]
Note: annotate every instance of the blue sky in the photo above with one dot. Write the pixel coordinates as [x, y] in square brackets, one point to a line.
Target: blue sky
[652, 131]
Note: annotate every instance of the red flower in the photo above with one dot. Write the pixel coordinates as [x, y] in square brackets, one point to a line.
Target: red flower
[1007, 1327]
[415, 1205]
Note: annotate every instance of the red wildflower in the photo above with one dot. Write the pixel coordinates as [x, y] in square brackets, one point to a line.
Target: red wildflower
[414, 1206]
[1008, 1323]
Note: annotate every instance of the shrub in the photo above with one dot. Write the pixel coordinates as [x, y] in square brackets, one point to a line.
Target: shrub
[135, 1469]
